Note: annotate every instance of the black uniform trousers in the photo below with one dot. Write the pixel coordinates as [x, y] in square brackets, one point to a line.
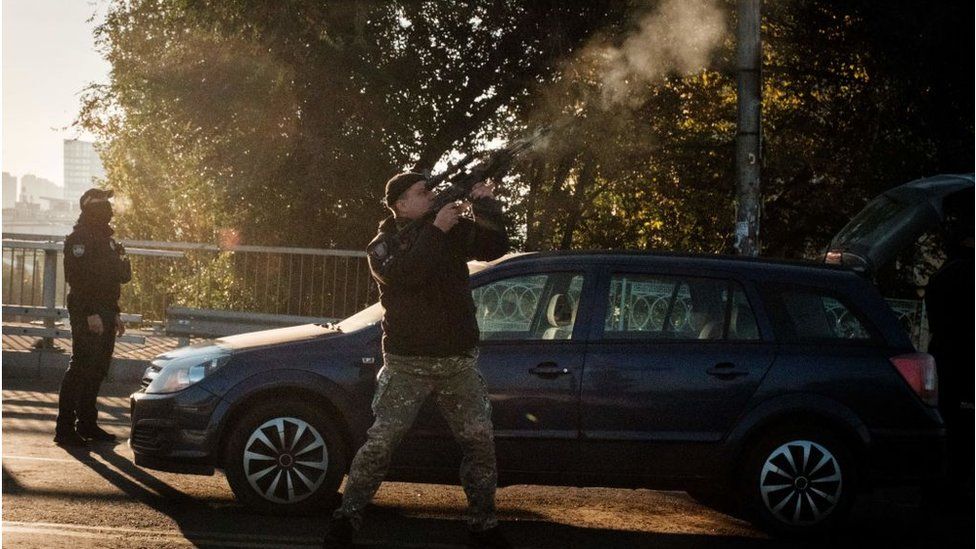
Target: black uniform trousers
[91, 356]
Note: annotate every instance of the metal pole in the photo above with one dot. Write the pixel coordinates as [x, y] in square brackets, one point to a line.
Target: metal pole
[748, 156]
[49, 291]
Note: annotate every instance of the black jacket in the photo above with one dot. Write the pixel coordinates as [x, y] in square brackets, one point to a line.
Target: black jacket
[95, 267]
[949, 303]
[422, 275]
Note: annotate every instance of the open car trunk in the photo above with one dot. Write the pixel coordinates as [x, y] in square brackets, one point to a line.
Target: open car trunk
[895, 219]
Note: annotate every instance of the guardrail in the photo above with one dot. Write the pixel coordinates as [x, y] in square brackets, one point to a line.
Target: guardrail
[306, 284]
[50, 331]
[184, 323]
[318, 283]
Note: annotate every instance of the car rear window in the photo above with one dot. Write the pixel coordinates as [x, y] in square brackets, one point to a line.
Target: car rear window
[642, 306]
[875, 217]
[808, 314]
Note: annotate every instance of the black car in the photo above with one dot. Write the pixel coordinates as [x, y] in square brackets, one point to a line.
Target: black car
[792, 385]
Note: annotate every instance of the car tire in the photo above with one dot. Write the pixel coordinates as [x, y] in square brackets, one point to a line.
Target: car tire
[799, 482]
[285, 458]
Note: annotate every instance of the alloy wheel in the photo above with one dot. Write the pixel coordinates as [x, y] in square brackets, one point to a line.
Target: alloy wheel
[285, 460]
[801, 483]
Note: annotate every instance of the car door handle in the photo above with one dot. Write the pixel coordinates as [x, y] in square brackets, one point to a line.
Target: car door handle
[549, 370]
[726, 370]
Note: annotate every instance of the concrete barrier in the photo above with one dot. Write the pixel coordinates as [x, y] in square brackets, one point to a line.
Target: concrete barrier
[47, 364]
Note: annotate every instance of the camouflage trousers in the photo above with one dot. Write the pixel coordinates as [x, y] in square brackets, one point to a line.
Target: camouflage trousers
[403, 384]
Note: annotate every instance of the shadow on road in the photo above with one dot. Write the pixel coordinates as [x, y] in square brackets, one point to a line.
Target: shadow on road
[10, 483]
[388, 527]
[899, 520]
[889, 523]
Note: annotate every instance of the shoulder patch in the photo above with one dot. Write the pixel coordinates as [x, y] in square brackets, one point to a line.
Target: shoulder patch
[78, 250]
[378, 250]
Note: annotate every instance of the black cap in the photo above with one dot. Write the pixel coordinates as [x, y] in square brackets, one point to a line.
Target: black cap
[95, 194]
[400, 183]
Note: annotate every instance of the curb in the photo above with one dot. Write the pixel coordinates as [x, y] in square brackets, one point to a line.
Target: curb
[44, 364]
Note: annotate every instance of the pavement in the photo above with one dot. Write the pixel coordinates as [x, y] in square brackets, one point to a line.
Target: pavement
[98, 497]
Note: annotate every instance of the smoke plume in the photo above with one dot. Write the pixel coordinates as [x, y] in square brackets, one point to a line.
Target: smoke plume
[679, 36]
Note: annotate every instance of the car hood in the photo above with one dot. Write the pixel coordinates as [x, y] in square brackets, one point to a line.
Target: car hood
[252, 340]
[893, 220]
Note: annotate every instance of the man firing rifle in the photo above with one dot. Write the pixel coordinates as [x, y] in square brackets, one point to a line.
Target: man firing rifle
[430, 346]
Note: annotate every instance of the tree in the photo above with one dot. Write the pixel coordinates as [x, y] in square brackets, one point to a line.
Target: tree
[282, 120]
[858, 97]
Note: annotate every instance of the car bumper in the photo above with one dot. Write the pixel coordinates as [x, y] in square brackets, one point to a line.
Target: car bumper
[899, 457]
[172, 432]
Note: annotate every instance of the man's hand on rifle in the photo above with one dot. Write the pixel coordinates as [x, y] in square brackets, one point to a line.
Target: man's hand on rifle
[447, 217]
[482, 189]
[486, 213]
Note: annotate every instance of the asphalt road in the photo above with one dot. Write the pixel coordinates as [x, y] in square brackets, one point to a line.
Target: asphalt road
[99, 498]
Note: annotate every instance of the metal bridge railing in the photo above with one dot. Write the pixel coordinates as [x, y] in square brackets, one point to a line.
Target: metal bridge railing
[259, 279]
[304, 282]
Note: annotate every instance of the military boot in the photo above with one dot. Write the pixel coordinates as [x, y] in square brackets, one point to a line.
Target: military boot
[69, 439]
[96, 433]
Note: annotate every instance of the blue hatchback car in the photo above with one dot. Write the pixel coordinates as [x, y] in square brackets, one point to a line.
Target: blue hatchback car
[791, 386]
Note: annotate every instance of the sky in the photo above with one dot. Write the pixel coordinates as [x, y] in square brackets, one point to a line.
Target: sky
[49, 56]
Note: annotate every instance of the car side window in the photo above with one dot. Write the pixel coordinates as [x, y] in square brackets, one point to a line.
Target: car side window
[529, 307]
[677, 308]
[815, 315]
[638, 305]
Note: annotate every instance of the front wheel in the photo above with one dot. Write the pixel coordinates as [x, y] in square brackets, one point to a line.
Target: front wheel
[799, 483]
[284, 457]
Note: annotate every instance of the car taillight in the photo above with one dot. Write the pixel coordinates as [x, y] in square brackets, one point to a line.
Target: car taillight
[918, 370]
[848, 259]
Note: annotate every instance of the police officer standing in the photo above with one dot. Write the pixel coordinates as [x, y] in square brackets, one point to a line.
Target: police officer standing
[95, 267]
[430, 337]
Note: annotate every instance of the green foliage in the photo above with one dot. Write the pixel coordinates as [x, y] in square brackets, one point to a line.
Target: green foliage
[857, 97]
[281, 121]
[201, 279]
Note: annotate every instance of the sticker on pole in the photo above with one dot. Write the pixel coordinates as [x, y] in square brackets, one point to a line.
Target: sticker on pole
[742, 230]
[78, 250]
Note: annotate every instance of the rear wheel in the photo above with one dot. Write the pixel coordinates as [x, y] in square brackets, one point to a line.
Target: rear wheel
[799, 482]
[285, 457]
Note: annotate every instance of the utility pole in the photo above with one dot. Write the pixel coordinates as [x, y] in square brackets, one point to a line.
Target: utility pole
[748, 153]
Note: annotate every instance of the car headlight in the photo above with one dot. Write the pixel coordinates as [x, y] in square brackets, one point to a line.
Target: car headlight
[180, 374]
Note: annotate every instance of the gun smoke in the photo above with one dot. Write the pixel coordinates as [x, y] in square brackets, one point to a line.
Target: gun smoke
[677, 37]
[611, 76]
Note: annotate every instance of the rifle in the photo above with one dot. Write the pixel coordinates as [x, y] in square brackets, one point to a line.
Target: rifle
[457, 180]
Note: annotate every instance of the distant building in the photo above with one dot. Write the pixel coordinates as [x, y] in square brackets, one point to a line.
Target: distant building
[82, 167]
[9, 190]
[34, 190]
